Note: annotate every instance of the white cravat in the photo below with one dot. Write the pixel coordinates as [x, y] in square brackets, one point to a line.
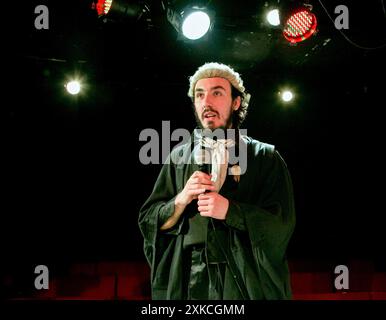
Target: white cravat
[219, 155]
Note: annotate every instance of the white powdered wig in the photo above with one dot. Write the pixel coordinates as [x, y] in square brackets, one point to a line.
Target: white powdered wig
[219, 70]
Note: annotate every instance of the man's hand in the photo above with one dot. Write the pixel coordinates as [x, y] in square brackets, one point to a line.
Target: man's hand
[213, 205]
[198, 183]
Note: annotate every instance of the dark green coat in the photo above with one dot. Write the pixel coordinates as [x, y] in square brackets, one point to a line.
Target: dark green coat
[260, 222]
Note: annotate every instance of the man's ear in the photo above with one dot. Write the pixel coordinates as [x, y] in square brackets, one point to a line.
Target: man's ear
[236, 103]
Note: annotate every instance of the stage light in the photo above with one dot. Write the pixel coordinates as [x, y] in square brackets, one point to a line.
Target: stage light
[286, 96]
[73, 87]
[196, 25]
[273, 17]
[117, 10]
[300, 24]
[192, 22]
[103, 7]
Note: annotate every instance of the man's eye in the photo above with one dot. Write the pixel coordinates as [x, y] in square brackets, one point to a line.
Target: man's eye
[217, 93]
[199, 95]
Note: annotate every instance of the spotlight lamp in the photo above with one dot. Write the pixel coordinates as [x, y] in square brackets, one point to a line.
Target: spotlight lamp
[300, 24]
[73, 87]
[103, 7]
[119, 9]
[193, 22]
[273, 17]
[286, 95]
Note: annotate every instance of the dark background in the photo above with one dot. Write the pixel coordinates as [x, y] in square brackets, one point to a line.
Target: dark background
[71, 176]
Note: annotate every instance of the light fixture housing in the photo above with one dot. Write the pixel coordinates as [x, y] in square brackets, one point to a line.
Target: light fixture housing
[191, 23]
[103, 7]
[299, 25]
[119, 9]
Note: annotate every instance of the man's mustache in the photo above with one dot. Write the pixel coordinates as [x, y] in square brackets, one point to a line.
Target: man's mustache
[207, 110]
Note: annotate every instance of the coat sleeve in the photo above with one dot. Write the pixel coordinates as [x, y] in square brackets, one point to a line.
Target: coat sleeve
[157, 209]
[268, 218]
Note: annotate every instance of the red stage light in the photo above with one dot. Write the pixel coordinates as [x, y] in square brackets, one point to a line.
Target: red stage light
[300, 25]
[103, 7]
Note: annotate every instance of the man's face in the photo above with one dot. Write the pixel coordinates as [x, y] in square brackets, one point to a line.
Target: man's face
[213, 103]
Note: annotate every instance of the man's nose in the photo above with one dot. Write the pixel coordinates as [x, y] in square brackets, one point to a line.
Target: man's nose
[206, 101]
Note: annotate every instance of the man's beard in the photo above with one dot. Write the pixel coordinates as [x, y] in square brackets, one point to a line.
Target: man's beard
[228, 123]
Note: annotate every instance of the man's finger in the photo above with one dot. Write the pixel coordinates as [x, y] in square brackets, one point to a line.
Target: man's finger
[196, 191]
[202, 180]
[203, 202]
[201, 186]
[204, 211]
[206, 196]
[201, 183]
[201, 174]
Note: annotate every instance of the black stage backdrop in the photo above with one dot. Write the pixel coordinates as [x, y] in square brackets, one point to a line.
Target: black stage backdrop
[72, 180]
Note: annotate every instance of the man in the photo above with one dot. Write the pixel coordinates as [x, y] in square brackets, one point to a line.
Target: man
[223, 233]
